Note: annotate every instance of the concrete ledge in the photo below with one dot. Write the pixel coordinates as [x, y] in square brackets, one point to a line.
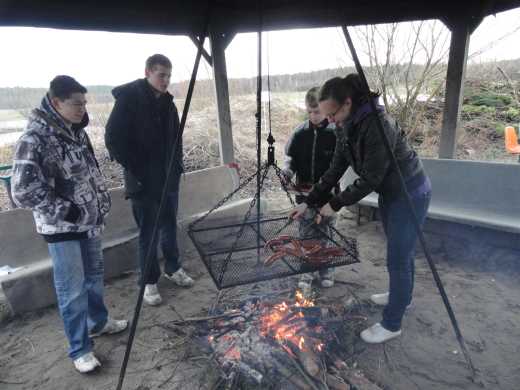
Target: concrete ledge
[32, 287]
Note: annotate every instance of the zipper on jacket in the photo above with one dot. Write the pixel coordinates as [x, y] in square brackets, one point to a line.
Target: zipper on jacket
[313, 160]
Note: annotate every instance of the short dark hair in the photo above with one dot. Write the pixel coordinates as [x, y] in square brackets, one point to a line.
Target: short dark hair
[339, 89]
[311, 97]
[63, 86]
[158, 59]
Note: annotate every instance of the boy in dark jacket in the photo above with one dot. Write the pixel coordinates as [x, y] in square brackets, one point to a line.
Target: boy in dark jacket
[56, 175]
[309, 153]
[142, 134]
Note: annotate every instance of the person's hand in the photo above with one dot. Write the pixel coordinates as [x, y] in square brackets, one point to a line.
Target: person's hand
[286, 175]
[298, 211]
[325, 212]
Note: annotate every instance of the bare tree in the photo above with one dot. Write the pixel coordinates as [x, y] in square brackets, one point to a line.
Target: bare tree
[407, 62]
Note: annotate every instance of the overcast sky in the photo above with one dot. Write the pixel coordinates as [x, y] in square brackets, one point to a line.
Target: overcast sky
[33, 56]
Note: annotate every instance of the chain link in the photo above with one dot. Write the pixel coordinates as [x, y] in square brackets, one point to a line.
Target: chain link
[243, 225]
[192, 225]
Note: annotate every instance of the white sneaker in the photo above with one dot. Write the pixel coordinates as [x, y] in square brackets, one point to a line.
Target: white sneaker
[382, 299]
[305, 283]
[111, 327]
[377, 334]
[151, 295]
[327, 277]
[180, 278]
[86, 363]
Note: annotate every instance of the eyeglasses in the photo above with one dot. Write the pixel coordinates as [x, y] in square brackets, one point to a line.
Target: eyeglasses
[332, 115]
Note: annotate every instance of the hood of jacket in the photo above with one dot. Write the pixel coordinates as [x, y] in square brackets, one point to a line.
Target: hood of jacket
[51, 121]
[139, 86]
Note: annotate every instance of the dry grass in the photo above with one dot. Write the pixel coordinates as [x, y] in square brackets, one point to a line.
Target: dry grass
[478, 141]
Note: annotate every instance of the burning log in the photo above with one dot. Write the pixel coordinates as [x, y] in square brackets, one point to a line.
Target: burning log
[267, 343]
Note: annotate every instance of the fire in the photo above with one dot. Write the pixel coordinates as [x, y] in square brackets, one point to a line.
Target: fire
[233, 354]
[285, 322]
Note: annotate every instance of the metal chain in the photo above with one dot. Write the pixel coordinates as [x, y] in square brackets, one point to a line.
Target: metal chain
[279, 173]
[191, 226]
[243, 225]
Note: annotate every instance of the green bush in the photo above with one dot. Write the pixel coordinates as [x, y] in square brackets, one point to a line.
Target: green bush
[490, 99]
[513, 114]
[471, 109]
[500, 128]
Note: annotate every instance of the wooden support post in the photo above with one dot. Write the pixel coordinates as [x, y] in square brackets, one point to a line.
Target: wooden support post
[460, 35]
[218, 42]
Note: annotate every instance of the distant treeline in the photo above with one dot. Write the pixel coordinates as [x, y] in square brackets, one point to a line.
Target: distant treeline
[23, 98]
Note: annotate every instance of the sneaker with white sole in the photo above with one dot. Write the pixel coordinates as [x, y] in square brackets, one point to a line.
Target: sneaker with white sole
[305, 283]
[151, 295]
[378, 334]
[382, 299]
[327, 277]
[86, 363]
[111, 327]
[180, 278]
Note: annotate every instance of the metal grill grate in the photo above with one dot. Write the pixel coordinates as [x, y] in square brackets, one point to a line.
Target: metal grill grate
[234, 259]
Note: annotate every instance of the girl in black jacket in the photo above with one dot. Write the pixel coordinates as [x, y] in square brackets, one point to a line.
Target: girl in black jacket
[359, 145]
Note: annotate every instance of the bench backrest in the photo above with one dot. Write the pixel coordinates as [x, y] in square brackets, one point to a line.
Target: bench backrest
[475, 184]
[479, 185]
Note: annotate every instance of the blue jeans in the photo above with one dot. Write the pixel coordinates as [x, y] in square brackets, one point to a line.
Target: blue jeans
[78, 280]
[400, 250]
[145, 212]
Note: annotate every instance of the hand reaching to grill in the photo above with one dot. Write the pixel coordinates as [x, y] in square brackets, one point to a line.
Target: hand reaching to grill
[325, 212]
[298, 211]
[286, 176]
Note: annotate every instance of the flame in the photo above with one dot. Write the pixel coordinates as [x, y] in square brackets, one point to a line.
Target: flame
[233, 354]
[285, 323]
[301, 343]
[319, 347]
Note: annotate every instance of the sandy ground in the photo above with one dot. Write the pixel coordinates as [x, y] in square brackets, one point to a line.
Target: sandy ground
[482, 284]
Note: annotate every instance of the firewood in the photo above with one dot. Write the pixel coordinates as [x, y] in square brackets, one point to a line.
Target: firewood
[292, 377]
[207, 318]
[334, 383]
[356, 378]
[309, 361]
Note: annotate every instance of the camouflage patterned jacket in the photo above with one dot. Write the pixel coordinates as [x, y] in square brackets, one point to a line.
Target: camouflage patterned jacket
[56, 175]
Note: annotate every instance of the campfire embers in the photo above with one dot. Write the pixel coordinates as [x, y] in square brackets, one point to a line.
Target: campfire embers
[267, 343]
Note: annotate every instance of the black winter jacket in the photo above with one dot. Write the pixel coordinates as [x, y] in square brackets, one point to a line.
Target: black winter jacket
[140, 134]
[309, 151]
[359, 145]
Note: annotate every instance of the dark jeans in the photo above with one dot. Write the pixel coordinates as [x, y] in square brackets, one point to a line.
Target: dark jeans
[145, 212]
[400, 250]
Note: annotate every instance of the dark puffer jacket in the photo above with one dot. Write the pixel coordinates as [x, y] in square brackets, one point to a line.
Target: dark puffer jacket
[309, 151]
[140, 134]
[359, 145]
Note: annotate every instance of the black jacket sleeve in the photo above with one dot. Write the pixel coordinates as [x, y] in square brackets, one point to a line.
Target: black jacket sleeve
[374, 167]
[331, 177]
[119, 132]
